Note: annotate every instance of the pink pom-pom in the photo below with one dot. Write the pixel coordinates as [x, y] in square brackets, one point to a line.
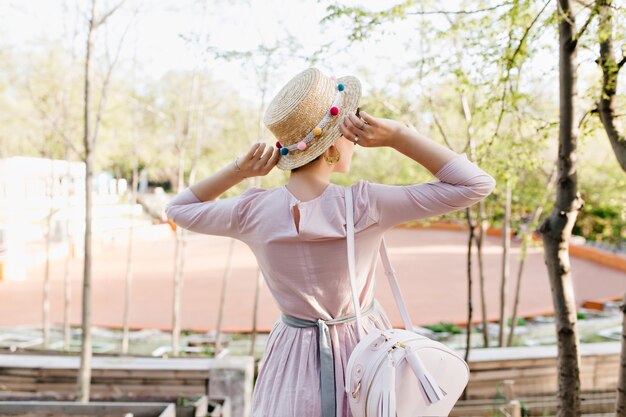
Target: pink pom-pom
[334, 111]
[301, 145]
[278, 145]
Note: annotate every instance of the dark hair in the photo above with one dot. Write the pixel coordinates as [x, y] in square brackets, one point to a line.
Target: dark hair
[316, 158]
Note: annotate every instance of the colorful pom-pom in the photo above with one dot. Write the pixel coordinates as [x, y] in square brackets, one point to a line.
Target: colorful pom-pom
[334, 111]
[340, 87]
[317, 131]
[284, 151]
[302, 145]
[278, 145]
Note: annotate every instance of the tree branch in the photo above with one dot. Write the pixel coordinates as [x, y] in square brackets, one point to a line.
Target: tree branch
[621, 63]
[52, 123]
[527, 31]
[509, 65]
[608, 93]
[108, 14]
[462, 12]
[582, 3]
[587, 113]
[592, 14]
[105, 87]
[438, 123]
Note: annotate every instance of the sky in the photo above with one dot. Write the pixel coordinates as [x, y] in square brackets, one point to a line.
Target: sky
[158, 37]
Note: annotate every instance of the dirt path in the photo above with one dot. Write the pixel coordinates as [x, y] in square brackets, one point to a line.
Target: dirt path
[430, 265]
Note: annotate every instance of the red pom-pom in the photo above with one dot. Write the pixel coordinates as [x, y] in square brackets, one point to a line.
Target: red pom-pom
[334, 111]
[278, 145]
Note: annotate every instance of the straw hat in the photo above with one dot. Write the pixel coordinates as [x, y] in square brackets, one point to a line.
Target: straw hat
[305, 115]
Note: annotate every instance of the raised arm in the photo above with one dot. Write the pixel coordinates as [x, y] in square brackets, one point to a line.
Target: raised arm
[254, 163]
[461, 182]
[196, 207]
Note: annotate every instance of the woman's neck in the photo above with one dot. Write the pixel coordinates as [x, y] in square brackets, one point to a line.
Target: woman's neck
[309, 181]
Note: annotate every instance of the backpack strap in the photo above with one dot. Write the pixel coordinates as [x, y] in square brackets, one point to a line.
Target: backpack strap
[389, 271]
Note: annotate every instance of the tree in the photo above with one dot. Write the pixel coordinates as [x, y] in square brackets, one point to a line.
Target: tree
[610, 71]
[557, 227]
[265, 62]
[492, 44]
[620, 406]
[53, 92]
[90, 135]
[526, 239]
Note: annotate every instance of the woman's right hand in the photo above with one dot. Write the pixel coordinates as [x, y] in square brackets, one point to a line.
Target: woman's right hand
[257, 162]
[370, 131]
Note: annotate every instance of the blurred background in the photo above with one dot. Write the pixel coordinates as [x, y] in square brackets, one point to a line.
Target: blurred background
[109, 108]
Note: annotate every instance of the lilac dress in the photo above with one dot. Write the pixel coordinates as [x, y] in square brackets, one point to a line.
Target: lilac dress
[306, 269]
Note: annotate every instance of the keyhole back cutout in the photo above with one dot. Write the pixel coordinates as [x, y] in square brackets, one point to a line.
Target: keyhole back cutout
[296, 217]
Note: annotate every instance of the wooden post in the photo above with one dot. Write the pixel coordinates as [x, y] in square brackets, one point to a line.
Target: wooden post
[509, 389]
[620, 407]
[514, 409]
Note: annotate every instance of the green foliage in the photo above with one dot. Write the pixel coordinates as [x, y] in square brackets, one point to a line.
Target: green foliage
[364, 20]
[443, 327]
[519, 322]
[600, 221]
[489, 55]
[486, 73]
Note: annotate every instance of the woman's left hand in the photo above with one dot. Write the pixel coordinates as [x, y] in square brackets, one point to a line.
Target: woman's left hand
[257, 163]
[369, 131]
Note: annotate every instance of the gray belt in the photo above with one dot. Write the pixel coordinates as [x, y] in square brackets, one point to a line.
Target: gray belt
[327, 365]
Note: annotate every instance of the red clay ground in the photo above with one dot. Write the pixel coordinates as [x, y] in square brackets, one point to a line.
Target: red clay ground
[430, 266]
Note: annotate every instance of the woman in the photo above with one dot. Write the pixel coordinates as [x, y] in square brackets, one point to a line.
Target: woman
[297, 232]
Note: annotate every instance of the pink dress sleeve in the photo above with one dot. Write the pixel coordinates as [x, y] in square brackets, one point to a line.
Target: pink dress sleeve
[461, 184]
[216, 217]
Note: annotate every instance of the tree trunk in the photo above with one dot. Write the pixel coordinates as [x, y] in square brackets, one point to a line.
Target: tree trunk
[506, 245]
[67, 278]
[84, 375]
[610, 70]
[257, 292]
[67, 299]
[557, 228]
[178, 266]
[179, 261]
[482, 227]
[526, 239]
[470, 307]
[257, 287]
[220, 314]
[469, 134]
[129, 257]
[620, 408]
[46, 277]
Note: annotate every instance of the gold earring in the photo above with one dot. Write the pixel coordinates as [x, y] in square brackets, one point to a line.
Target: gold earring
[332, 160]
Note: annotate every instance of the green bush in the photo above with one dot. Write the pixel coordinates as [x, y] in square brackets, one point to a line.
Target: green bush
[444, 328]
[599, 221]
[520, 322]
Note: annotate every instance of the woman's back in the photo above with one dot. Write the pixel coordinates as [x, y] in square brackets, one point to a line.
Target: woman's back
[301, 246]
[305, 263]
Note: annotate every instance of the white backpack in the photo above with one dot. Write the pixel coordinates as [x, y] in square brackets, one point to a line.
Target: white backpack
[398, 372]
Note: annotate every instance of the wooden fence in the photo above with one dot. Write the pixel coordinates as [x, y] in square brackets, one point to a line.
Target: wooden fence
[133, 377]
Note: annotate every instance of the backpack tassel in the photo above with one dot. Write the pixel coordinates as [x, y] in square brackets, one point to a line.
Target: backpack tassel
[387, 401]
[427, 381]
